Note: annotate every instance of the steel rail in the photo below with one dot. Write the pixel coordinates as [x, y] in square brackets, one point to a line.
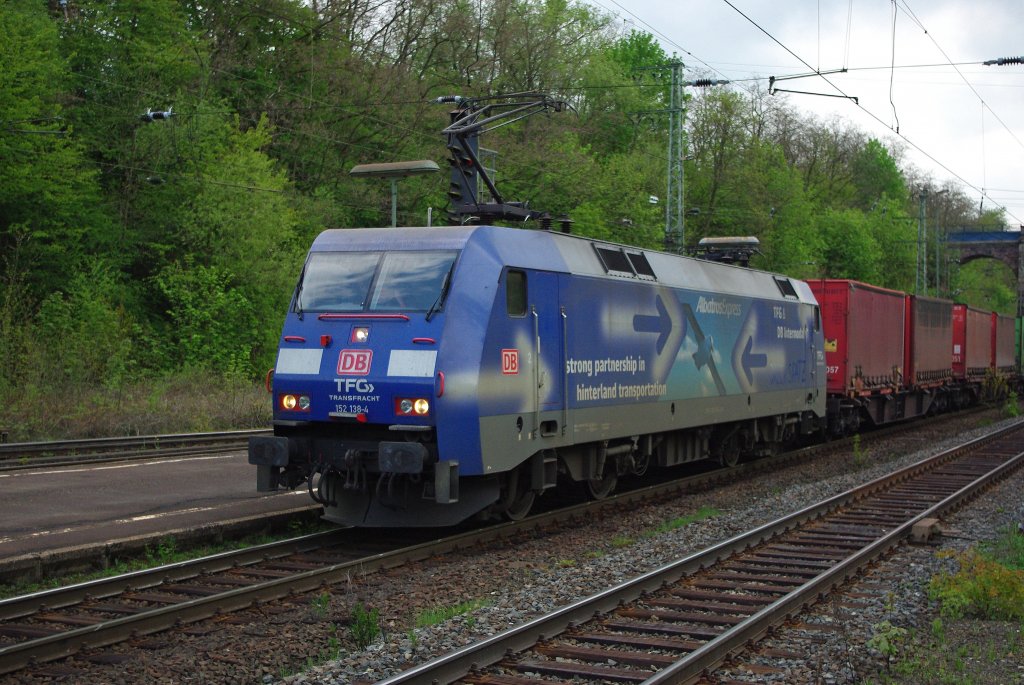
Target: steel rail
[25, 605]
[18, 656]
[24, 455]
[460, 663]
[713, 653]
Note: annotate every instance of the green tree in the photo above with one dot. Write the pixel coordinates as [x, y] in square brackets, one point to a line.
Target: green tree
[875, 176]
[213, 325]
[83, 335]
[895, 233]
[50, 209]
[127, 58]
[849, 249]
[781, 215]
[717, 142]
[622, 94]
[239, 223]
[987, 284]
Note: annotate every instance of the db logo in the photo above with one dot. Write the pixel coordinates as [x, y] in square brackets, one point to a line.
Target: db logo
[510, 362]
[354, 362]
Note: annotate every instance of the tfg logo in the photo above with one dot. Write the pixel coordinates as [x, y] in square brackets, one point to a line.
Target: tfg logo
[354, 362]
[354, 385]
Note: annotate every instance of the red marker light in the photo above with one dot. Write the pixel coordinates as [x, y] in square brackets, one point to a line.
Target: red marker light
[325, 340]
[361, 418]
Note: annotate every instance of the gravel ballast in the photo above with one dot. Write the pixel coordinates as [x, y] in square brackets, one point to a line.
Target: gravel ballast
[307, 640]
[834, 646]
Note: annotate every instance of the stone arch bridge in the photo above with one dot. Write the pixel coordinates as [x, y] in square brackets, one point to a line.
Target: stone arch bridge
[1005, 246]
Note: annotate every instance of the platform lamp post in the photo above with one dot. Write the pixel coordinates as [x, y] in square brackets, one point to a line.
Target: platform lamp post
[394, 171]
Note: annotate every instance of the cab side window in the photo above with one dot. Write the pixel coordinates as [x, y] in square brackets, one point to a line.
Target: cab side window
[515, 292]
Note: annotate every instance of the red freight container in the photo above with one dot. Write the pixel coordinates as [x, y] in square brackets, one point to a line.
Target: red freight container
[930, 337]
[1003, 353]
[864, 333]
[972, 342]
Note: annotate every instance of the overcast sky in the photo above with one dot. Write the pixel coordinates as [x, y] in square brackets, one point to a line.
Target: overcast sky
[968, 119]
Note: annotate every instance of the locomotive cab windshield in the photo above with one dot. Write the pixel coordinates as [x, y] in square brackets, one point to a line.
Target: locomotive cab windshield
[374, 281]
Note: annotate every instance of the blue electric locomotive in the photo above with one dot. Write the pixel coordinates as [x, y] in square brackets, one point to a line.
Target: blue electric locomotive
[429, 375]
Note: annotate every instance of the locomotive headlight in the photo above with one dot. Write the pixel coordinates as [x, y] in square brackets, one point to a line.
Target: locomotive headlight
[360, 334]
[295, 402]
[412, 406]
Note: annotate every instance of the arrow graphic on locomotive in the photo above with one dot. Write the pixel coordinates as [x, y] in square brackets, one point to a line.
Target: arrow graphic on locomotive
[631, 347]
[660, 324]
[773, 346]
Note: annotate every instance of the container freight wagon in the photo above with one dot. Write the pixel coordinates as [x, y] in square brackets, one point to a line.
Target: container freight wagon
[972, 343]
[1003, 345]
[1019, 328]
[929, 338]
[865, 329]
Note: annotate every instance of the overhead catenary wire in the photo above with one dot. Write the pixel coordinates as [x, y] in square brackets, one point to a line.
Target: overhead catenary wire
[892, 71]
[843, 94]
[866, 110]
[906, 8]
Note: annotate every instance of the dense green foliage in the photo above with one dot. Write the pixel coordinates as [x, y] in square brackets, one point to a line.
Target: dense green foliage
[989, 583]
[135, 250]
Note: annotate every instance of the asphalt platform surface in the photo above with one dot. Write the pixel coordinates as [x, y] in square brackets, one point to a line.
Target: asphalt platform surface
[84, 516]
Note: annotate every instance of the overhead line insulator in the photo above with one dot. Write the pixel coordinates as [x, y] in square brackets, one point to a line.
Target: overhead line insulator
[1004, 60]
[706, 82]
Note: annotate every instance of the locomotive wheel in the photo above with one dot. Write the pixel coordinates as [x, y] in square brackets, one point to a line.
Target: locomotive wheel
[599, 488]
[641, 463]
[518, 498]
[729, 458]
[518, 510]
[729, 452]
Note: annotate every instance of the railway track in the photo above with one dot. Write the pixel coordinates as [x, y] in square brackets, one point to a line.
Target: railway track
[677, 623]
[50, 625]
[53, 624]
[23, 455]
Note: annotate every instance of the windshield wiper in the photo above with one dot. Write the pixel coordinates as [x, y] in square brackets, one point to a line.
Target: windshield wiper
[298, 293]
[444, 291]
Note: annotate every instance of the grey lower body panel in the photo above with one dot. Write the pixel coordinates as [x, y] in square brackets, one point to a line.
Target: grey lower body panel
[506, 444]
[405, 506]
